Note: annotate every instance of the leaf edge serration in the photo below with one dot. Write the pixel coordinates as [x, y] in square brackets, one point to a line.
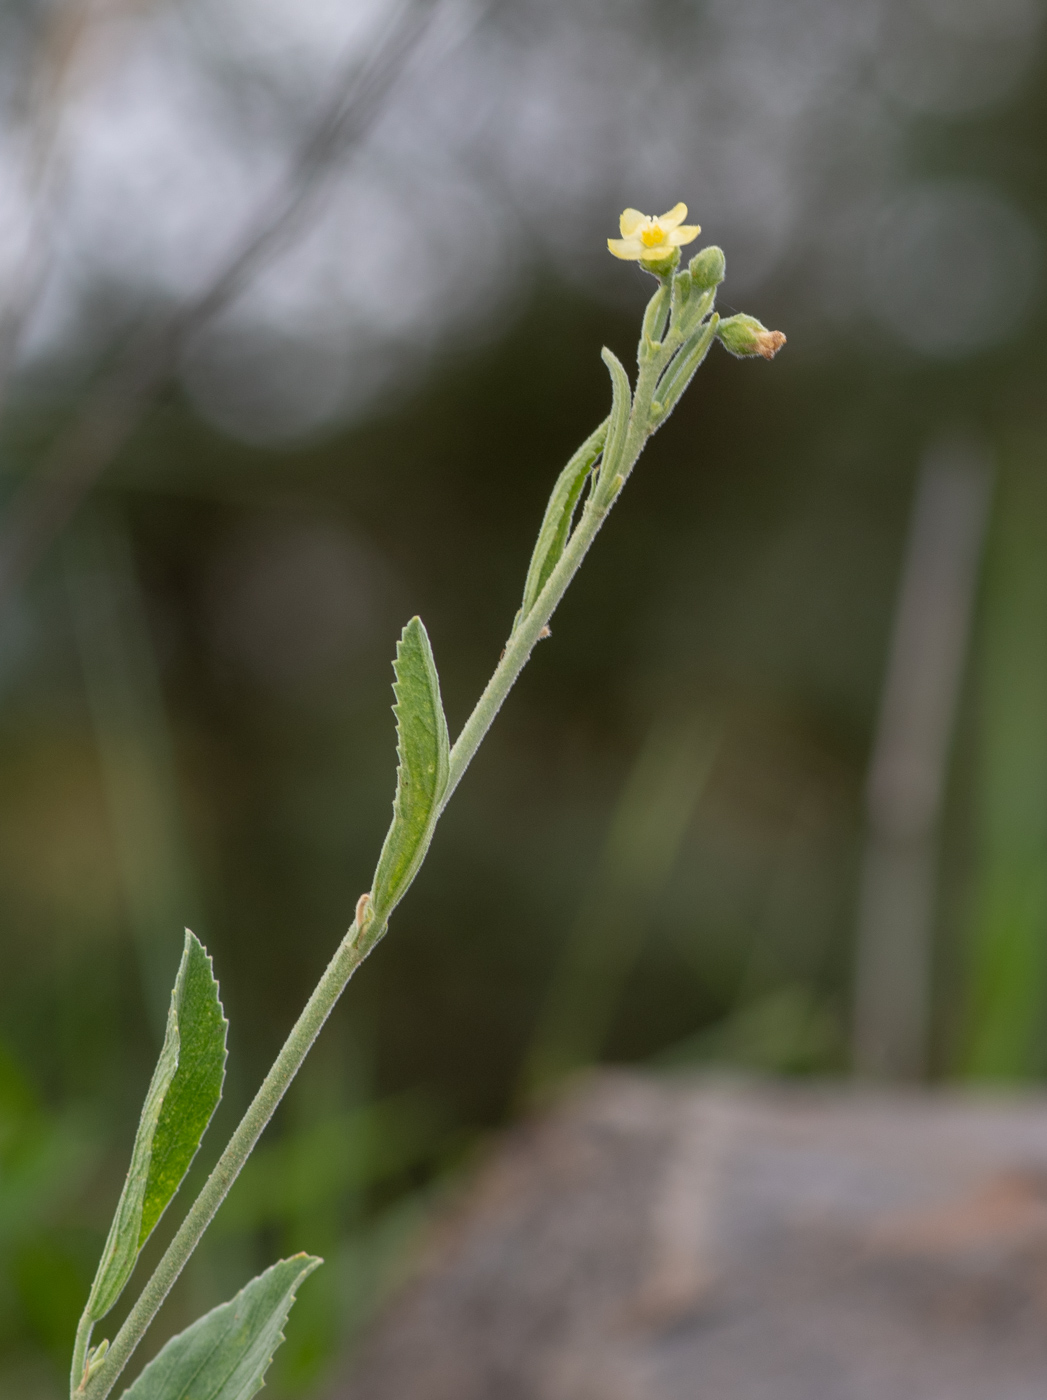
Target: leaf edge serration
[153, 1382]
[394, 874]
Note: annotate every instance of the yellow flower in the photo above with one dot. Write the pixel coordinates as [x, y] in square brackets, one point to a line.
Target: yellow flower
[652, 240]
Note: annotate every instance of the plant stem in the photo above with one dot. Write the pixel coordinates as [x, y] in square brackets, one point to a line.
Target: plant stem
[519, 648]
[351, 953]
[80, 1348]
[522, 643]
[319, 1006]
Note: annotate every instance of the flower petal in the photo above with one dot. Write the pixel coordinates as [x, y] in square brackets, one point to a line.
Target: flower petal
[627, 248]
[631, 220]
[676, 215]
[686, 233]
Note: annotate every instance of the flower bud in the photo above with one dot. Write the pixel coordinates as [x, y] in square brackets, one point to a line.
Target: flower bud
[708, 268]
[745, 335]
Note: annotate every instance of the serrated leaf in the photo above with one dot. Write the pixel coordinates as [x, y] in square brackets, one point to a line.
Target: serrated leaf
[196, 1089]
[225, 1355]
[422, 747]
[559, 514]
[619, 421]
[183, 1094]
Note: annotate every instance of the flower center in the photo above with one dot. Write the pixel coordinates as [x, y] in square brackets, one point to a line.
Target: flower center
[652, 235]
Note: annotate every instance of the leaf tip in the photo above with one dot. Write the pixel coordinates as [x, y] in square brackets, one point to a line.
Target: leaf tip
[309, 1265]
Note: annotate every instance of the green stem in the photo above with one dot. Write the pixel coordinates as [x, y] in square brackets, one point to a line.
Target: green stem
[321, 1003]
[520, 646]
[80, 1349]
[319, 1006]
[530, 628]
[350, 953]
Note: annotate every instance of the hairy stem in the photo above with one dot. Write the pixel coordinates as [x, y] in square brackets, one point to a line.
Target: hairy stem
[80, 1349]
[518, 650]
[530, 628]
[353, 949]
[297, 1045]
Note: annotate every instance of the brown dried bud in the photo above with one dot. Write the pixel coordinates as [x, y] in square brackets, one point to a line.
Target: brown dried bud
[769, 343]
[745, 335]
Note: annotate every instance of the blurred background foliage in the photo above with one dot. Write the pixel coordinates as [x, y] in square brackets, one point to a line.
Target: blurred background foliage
[301, 314]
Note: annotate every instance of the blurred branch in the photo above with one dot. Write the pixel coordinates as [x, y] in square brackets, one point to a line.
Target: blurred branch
[135, 750]
[51, 496]
[910, 762]
[45, 92]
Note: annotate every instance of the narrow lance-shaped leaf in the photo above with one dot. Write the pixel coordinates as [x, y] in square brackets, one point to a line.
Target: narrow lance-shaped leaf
[421, 778]
[657, 312]
[683, 368]
[184, 1092]
[694, 310]
[682, 287]
[559, 515]
[196, 1089]
[619, 422]
[225, 1355]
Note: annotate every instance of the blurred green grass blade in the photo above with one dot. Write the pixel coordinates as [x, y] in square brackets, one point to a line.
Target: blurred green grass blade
[1007, 972]
[225, 1355]
[135, 740]
[45, 1157]
[196, 1089]
[421, 778]
[559, 513]
[606, 938]
[785, 1031]
[183, 1094]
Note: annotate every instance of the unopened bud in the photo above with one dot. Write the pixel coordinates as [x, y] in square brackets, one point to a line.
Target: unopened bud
[708, 268]
[95, 1357]
[745, 335]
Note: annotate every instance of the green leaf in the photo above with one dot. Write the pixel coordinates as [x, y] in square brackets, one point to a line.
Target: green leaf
[196, 1089]
[619, 421]
[225, 1355]
[657, 312]
[184, 1092]
[559, 514]
[690, 313]
[421, 778]
[682, 370]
